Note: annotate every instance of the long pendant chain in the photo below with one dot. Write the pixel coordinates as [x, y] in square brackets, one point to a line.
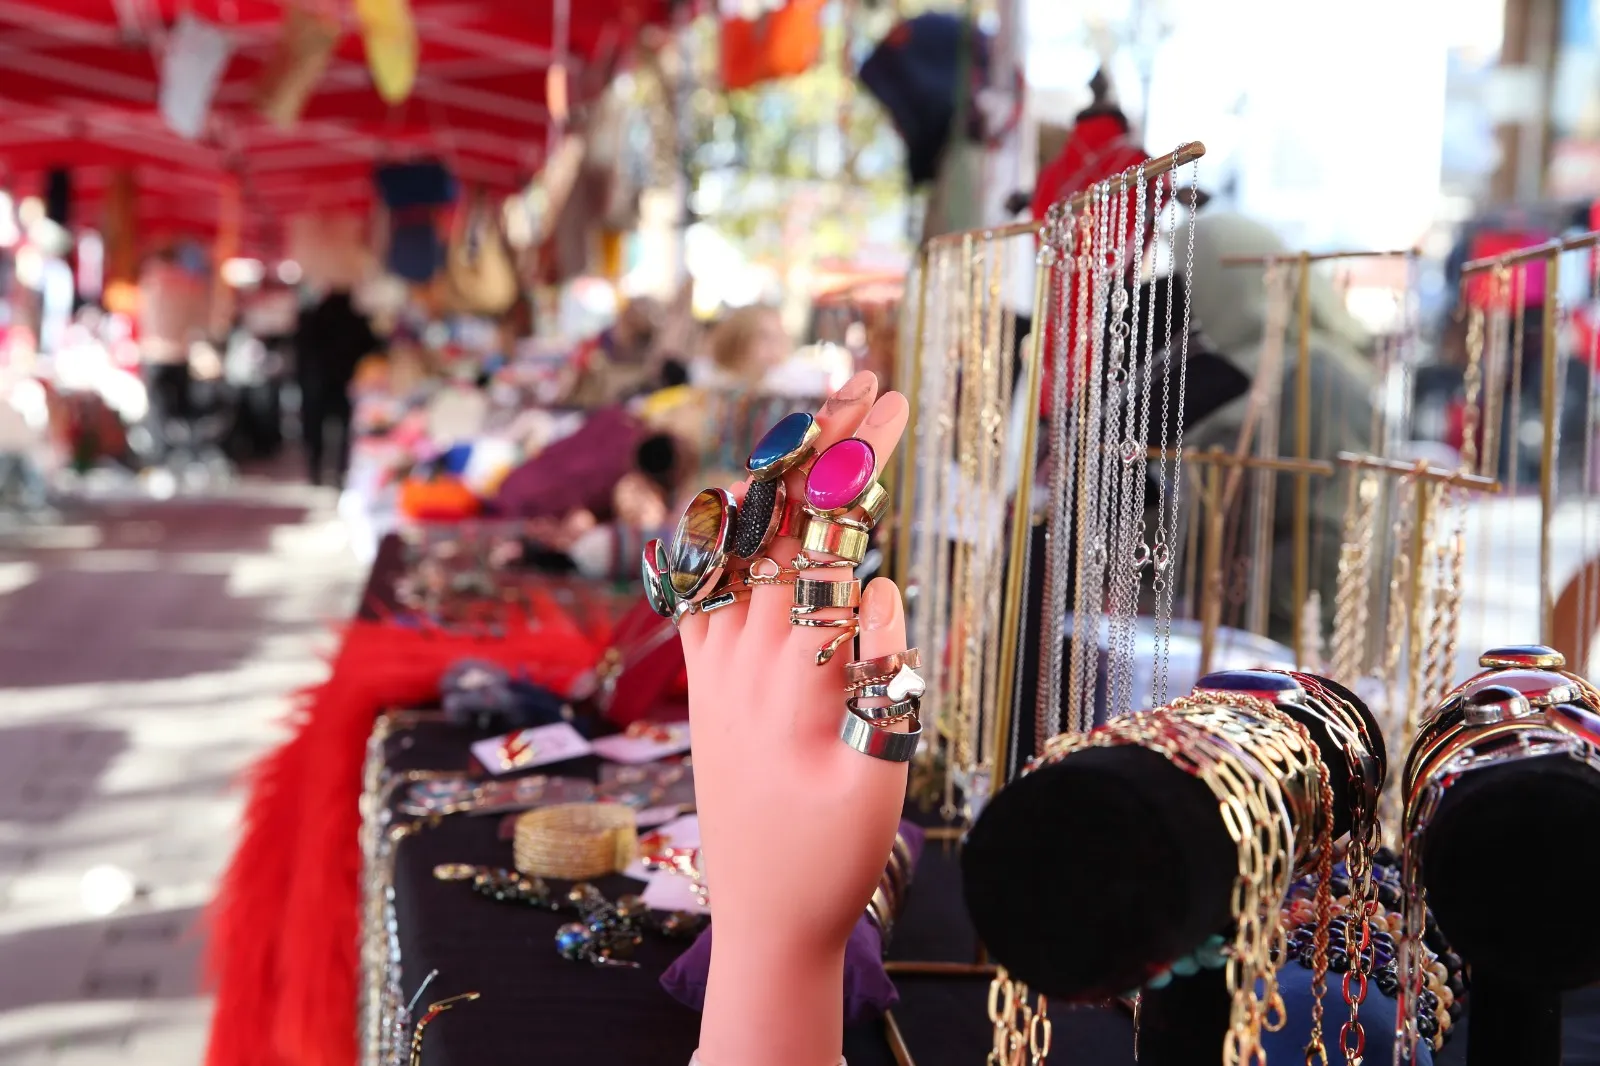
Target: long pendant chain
[1393, 719]
[1352, 607]
[1086, 612]
[1120, 568]
[1123, 310]
[1133, 554]
[1102, 524]
[963, 619]
[1167, 516]
[989, 495]
[1078, 300]
[1439, 550]
[943, 657]
[1057, 247]
[928, 367]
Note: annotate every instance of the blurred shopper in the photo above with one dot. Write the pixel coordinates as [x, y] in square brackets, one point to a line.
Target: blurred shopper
[332, 339]
[172, 314]
[620, 363]
[1230, 309]
[746, 350]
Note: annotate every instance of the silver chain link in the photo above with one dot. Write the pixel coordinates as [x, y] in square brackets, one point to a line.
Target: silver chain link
[1163, 649]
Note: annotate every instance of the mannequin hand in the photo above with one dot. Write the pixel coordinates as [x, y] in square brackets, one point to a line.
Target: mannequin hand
[796, 826]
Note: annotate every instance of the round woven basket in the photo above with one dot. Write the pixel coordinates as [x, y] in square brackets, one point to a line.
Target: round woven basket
[575, 841]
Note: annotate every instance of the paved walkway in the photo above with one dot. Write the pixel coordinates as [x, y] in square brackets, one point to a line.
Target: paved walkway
[145, 652]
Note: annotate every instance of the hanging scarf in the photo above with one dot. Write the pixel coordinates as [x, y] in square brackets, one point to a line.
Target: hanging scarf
[1098, 148]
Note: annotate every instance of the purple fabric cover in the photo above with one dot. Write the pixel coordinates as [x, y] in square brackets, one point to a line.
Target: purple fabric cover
[868, 991]
[576, 472]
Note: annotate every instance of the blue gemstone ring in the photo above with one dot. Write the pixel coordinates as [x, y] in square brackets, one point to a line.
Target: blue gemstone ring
[788, 444]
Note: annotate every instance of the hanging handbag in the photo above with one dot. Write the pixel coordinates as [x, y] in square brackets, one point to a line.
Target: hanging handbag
[304, 50]
[390, 36]
[483, 278]
[414, 193]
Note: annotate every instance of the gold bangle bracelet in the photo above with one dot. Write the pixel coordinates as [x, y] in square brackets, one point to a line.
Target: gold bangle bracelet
[575, 841]
[835, 538]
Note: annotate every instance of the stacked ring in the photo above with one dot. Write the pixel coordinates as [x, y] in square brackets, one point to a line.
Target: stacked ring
[870, 671]
[812, 595]
[887, 677]
[766, 571]
[657, 588]
[702, 545]
[869, 738]
[898, 711]
[844, 479]
[834, 537]
[761, 516]
[788, 444]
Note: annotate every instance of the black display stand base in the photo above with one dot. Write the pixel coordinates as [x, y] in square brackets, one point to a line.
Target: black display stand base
[1512, 1025]
[1184, 1023]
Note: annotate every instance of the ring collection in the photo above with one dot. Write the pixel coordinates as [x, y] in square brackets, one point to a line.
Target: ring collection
[717, 557]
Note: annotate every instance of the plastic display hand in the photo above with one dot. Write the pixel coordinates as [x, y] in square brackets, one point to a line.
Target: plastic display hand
[796, 826]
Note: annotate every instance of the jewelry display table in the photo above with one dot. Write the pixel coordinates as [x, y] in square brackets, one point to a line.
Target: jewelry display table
[535, 1005]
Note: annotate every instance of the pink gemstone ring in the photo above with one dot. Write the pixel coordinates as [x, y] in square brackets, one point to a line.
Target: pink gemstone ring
[844, 478]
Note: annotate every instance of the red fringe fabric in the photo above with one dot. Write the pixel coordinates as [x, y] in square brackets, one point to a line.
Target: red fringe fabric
[283, 945]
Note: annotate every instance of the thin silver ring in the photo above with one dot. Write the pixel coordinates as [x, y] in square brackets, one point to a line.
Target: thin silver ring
[899, 709]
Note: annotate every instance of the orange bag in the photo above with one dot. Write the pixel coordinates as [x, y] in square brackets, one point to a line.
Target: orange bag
[779, 44]
[436, 500]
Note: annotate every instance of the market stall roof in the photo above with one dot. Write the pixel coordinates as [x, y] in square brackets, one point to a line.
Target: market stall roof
[79, 82]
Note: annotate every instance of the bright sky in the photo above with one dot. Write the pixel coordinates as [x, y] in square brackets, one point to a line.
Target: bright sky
[1331, 119]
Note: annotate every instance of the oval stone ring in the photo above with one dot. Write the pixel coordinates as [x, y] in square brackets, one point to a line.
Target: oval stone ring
[843, 479]
[698, 558]
[788, 444]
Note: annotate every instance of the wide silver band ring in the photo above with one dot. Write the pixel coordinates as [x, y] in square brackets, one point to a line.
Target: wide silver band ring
[884, 744]
[814, 594]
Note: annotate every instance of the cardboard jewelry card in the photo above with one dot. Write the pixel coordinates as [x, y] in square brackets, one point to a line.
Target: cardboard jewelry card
[527, 748]
[642, 744]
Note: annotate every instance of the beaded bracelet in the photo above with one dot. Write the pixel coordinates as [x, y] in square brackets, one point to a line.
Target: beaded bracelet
[575, 841]
[1439, 1005]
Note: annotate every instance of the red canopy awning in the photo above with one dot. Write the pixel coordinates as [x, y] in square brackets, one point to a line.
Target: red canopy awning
[79, 81]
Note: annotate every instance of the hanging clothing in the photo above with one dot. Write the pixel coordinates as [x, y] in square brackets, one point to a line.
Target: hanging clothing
[1230, 308]
[1098, 148]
